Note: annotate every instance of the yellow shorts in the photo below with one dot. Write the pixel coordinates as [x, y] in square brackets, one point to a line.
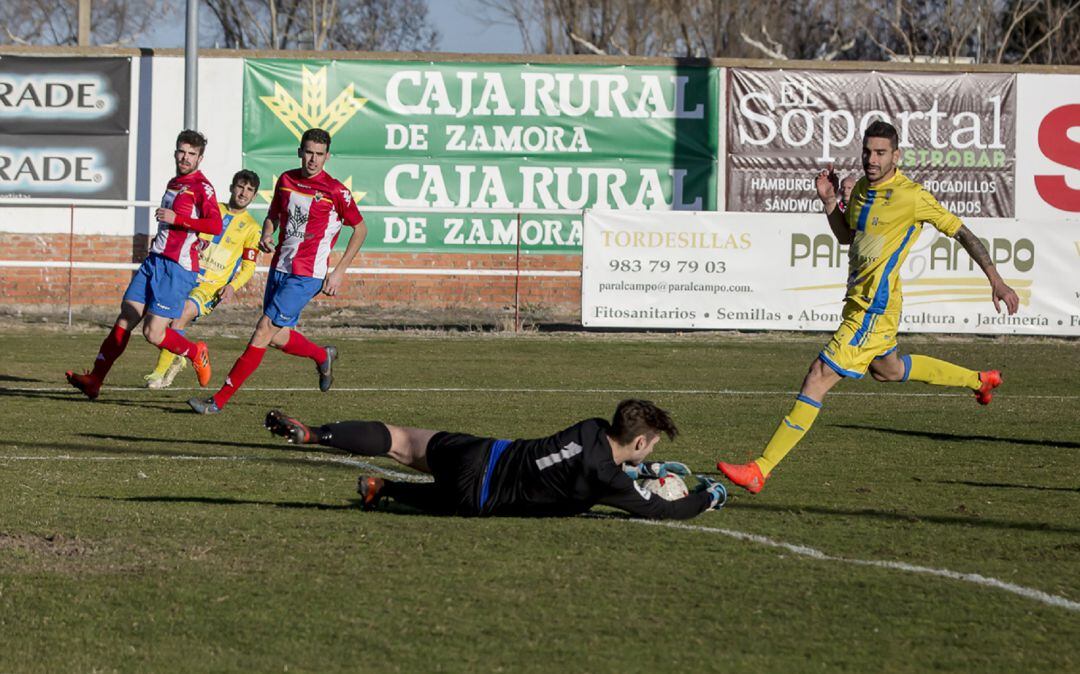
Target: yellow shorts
[860, 339]
[205, 297]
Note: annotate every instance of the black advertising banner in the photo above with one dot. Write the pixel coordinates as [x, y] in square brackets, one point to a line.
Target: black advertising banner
[64, 126]
[957, 135]
[88, 96]
[86, 167]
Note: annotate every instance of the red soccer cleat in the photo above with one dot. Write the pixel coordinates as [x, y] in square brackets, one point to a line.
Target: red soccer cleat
[201, 362]
[991, 379]
[746, 475]
[84, 382]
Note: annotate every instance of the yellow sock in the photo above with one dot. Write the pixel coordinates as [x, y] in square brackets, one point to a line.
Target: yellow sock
[165, 359]
[940, 373]
[788, 434]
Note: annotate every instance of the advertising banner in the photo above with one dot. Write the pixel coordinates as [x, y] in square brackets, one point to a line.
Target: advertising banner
[957, 135]
[80, 167]
[783, 272]
[1048, 147]
[64, 126]
[474, 137]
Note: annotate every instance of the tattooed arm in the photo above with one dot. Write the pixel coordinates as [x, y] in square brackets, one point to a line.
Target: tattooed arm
[999, 290]
[826, 184]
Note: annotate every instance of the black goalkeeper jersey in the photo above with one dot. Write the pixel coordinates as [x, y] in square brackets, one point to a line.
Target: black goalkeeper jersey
[569, 472]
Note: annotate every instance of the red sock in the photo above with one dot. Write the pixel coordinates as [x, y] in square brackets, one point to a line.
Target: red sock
[245, 365]
[299, 345]
[177, 343]
[111, 349]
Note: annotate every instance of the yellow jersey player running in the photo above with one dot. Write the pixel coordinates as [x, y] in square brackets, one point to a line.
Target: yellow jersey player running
[881, 224]
[226, 262]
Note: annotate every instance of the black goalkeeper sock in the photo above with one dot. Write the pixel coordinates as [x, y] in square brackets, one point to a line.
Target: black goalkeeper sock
[368, 438]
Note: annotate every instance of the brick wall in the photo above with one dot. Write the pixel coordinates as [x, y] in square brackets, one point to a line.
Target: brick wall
[544, 298]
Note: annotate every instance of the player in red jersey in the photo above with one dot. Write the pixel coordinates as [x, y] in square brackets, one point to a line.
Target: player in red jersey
[309, 207]
[163, 281]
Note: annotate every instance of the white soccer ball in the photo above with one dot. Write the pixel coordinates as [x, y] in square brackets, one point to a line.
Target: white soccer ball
[669, 488]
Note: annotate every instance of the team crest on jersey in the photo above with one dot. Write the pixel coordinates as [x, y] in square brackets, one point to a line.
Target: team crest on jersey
[888, 194]
[318, 196]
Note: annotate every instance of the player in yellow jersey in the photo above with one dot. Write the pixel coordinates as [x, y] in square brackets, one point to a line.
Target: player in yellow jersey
[881, 223]
[226, 261]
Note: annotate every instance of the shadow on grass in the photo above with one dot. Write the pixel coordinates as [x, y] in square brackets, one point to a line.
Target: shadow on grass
[11, 377]
[1007, 485]
[912, 518]
[956, 437]
[76, 397]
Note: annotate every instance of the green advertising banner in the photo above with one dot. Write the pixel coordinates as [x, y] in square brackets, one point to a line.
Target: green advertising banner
[480, 137]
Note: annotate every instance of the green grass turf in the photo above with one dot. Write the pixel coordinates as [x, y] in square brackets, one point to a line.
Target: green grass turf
[152, 561]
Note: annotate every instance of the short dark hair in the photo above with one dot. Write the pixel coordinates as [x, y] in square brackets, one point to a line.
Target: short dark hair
[246, 176]
[316, 136]
[193, 138]
[880, 129]
[640, 417]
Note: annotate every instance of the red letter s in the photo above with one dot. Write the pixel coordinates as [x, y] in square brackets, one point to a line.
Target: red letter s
[1056, 145]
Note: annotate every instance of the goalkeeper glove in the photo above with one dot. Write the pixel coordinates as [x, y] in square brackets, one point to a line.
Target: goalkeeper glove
[716, 490]
[656, 470]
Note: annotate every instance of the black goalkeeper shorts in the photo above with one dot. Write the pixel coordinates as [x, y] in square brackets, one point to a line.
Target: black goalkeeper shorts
[457, 462]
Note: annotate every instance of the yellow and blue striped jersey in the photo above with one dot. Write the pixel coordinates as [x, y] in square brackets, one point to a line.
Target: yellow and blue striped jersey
[887, 220]
[230, 256]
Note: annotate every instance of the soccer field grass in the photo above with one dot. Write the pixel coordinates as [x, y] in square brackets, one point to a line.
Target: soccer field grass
[912, 530]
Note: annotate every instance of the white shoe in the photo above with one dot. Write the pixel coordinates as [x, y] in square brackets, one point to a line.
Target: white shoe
[153, 380]
[179, 363]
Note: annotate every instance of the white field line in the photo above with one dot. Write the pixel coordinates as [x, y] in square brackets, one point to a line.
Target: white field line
[362, 465]
[483, 389]
[801, 550]
[814, 553]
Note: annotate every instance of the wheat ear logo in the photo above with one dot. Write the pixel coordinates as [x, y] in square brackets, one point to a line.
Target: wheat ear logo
[313, 111]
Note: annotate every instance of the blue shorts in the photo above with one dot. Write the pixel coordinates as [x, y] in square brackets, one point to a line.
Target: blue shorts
[161, 285]
[286, 296]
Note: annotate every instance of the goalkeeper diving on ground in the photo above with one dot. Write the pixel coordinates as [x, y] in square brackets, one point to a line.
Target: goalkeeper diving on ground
[593, 462]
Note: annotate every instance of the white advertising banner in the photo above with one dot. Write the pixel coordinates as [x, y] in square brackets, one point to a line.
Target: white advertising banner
[1048, 148]
[759, 271]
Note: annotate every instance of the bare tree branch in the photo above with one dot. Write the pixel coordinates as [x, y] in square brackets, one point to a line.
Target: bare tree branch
[768, 51]
[1050, 33]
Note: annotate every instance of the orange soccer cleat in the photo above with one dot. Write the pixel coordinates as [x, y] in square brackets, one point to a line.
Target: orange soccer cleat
[746, 475]
[991, 379]
[201, 362]
[369, 487]
[84, 382]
